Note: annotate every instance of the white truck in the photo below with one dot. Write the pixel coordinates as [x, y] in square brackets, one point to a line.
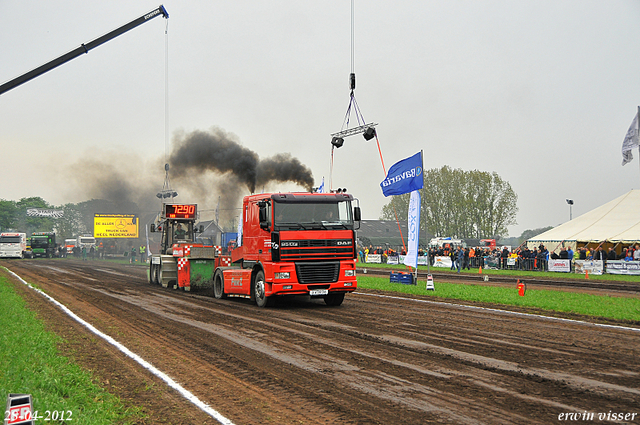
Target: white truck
[13, 245]
[69, 244]
[86, 241]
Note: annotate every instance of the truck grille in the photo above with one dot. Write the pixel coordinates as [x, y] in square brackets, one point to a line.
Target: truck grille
[318, 272]
[317, 249]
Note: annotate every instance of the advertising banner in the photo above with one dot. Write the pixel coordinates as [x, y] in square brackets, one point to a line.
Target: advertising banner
[393, 259]
[442, 262]
[374, 258]
[115, 226]
[404, 176]
[591, 266]
[623, 267]
[563, 266]
[413, 238]
[492, 263]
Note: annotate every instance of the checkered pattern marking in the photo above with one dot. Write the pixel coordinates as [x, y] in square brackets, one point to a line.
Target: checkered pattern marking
[225, 261]
[182, 262]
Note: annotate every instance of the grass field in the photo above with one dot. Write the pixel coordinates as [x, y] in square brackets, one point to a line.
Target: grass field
[30, 363]
[516, 273]
[618, 308]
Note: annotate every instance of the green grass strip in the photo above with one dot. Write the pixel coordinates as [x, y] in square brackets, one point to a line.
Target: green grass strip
[30, 363]
[619, 308]
[515, 273]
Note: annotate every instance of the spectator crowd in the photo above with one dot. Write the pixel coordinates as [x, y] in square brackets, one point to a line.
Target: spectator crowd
[521, 258]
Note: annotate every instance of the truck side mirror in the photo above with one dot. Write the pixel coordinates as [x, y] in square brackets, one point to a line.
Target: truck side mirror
[262, 215]
[201, 228]
[152, 228]
[356, 214]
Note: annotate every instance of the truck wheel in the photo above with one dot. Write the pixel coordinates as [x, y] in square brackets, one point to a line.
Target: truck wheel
[259, 290]
[218, 286]
[334, 300]
[153, 274]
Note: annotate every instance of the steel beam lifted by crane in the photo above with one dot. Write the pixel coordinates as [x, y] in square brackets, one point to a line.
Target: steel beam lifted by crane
[84, 48]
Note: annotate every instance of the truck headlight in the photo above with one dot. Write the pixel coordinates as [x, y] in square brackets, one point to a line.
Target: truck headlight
[350, 272]
[282, 275]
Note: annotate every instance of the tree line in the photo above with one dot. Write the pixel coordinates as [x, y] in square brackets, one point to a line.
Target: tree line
[77, 218]
[460, 204]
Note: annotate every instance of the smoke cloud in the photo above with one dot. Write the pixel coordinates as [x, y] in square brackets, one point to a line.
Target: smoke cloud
[210, 168]
[221, 152]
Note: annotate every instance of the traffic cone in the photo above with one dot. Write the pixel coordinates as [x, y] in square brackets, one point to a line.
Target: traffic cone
[586, 274]
[521, 288]
[480, 270]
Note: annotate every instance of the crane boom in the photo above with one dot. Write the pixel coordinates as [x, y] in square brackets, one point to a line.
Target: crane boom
[84, 48]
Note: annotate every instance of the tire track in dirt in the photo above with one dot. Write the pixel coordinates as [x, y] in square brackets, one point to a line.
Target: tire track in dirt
[368, 361]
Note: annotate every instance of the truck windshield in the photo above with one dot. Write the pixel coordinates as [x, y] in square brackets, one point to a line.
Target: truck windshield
[297, 215]
[88, 240]
[39, 242]
[9, 239]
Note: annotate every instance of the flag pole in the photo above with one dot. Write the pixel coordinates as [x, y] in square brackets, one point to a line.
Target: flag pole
[638, 129]
[428, 254]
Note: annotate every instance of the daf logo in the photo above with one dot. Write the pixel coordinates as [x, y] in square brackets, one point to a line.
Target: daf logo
[343, 243]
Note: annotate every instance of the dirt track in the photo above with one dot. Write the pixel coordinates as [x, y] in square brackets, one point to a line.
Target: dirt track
[373, 360]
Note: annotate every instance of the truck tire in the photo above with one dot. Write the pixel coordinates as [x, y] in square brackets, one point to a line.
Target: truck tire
[258, 289]
[153, 274]
[218, 286]
[334, 299]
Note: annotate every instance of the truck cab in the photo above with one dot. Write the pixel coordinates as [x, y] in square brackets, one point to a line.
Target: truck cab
[13, 245]
[86, 241]
[43, 244]
[69, 244]
[295, 244]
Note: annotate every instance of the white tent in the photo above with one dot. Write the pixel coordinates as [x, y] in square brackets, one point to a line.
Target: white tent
[616, 222]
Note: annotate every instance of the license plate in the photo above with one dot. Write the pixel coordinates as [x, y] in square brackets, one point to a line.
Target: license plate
[318, 292]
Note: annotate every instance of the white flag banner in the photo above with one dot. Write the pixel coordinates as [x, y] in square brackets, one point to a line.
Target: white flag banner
[411, 259]
[630, 141]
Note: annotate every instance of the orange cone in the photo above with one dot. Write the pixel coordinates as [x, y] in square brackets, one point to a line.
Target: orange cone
[521, 288]
[586, 274]
[480, 270]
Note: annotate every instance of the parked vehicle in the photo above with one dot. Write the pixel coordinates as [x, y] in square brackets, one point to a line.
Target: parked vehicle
[43, 244]
[13, 245]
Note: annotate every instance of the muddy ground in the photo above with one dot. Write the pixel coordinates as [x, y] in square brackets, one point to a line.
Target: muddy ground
[373, 360]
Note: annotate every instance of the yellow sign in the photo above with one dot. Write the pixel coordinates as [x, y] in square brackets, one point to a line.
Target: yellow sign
[115, 226]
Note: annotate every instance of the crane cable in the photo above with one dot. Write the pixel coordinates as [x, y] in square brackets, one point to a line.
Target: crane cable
[166, 90]
[359, 117]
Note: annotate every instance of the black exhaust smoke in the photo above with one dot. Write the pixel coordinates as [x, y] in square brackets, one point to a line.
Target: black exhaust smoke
[219, 152]
[208, 166]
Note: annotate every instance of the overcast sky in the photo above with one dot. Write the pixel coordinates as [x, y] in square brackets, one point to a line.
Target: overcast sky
[541, 92]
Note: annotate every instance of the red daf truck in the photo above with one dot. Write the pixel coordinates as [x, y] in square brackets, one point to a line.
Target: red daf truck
[288, 244]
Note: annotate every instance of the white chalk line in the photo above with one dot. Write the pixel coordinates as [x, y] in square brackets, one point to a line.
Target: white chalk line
[169, 381]
[496, 310]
